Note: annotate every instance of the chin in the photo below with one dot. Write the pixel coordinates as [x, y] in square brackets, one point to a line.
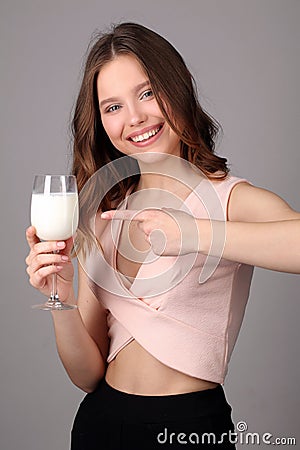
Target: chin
[151, 157]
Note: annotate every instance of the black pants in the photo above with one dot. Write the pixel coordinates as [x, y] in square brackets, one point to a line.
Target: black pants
[108, 419]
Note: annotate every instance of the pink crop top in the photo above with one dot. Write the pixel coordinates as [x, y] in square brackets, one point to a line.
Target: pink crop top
[186, 311]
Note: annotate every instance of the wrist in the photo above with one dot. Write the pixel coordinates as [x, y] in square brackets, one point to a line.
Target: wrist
[204, 235]
[212, 236]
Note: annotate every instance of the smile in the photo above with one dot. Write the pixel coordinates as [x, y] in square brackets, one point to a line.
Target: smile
[146, 136]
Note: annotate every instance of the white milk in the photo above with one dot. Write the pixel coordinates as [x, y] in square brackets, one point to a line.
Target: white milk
[55, 216]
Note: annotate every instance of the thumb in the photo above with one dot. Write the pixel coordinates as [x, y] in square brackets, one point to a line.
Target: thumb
[31, 236]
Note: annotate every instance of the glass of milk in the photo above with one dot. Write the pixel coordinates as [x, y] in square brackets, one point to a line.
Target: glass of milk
[54, 214]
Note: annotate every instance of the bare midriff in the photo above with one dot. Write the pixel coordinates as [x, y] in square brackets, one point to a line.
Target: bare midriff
[136, 371]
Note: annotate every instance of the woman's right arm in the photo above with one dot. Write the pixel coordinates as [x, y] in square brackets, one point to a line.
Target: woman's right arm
[81, 333]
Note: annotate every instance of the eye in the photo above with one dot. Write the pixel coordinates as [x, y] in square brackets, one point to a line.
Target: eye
[112, 108]
[147, 94]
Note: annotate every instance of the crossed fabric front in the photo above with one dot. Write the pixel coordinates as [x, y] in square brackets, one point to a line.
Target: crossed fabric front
[187, 310]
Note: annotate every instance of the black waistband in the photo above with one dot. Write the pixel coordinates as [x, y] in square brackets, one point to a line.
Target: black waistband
[124, 406]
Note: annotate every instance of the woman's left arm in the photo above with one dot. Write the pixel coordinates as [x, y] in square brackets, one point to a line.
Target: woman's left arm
[262, 230]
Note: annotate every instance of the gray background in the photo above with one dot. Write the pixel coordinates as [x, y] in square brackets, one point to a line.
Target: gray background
[245, 57]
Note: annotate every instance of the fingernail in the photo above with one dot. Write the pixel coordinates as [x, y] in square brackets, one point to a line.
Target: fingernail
[59, 267]
[60, 244]
[64, 258]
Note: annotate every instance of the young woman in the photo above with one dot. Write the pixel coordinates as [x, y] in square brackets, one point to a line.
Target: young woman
[166, 247]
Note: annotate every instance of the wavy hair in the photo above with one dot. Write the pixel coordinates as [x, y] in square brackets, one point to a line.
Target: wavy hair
[167, 73]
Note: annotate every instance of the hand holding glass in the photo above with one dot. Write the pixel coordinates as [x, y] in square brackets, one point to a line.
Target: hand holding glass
[54, 214]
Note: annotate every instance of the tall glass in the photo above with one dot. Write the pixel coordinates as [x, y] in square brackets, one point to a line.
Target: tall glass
[54, 214]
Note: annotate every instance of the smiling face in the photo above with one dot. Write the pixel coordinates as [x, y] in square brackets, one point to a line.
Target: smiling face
[129, 111]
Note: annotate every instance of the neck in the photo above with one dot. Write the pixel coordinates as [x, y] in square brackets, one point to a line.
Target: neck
[165, 171]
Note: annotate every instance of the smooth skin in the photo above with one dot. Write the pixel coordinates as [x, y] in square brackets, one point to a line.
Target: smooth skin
[261, 230]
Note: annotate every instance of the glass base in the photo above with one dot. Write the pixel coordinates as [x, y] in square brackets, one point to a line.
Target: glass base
[54, 304]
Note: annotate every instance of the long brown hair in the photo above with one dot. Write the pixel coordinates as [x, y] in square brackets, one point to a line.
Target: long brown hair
[168, 75]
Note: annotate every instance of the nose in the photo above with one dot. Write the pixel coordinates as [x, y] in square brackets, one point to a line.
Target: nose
[136, 114]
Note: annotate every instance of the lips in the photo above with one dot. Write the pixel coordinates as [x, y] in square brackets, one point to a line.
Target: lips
[145, 135]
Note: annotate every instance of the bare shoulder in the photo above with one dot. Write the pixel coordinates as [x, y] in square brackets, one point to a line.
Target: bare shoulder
[248, 203]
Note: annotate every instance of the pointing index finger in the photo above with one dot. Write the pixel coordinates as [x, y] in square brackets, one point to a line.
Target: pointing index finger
[128, 214]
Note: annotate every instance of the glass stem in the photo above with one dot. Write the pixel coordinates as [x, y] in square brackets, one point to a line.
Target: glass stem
[54, 295]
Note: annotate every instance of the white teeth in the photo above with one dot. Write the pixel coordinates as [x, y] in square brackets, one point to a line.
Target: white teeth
[143, 137]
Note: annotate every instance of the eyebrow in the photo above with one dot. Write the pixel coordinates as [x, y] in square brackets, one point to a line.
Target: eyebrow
[115, 99]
